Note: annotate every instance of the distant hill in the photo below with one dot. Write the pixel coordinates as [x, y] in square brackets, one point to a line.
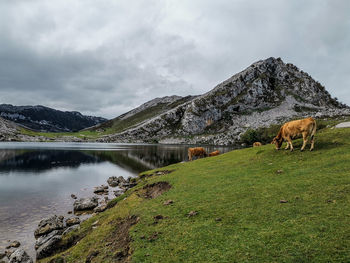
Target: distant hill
[46, 119]
[267, 92]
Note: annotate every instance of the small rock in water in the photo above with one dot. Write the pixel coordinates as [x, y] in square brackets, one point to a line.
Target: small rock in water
[73, 196]
[70, 212]
[100, 189]
[13, 244]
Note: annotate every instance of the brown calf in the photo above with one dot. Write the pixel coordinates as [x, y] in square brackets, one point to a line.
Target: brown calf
[292, 129]
[214, 153]
[197, 151]
[257, 144]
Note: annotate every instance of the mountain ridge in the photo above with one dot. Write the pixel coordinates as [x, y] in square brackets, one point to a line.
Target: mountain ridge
[267, 92]
[45, 119]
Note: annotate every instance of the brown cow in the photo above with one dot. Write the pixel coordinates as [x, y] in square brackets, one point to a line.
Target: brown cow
[292, 129]
[214, 153]
[197, 151]
[257, 144]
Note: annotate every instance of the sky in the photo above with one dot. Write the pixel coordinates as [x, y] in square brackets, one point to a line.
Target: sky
[106, 57]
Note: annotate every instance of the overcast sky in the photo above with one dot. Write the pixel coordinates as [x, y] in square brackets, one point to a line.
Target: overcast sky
[106, 57]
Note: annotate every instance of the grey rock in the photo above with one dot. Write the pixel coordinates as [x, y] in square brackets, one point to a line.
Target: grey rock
[85, 204]
[46, 226]
[20, 256]
[49, 247]
[343, 125]
[118, 192]
[100, 189]
[72, 221]
[44, 239]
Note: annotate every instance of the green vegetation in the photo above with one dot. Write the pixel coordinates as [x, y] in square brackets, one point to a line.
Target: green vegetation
[240, 214]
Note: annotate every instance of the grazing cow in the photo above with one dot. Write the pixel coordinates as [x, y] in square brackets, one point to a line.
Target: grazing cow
[257, 144]
[292, 129]
[214, 153]
[197, 151]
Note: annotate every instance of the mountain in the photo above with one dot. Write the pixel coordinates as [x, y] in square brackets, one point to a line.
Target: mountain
[141, 114]
[267, 92]
[45, 119]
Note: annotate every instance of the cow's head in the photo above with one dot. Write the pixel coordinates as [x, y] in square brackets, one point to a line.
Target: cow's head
[278, 142]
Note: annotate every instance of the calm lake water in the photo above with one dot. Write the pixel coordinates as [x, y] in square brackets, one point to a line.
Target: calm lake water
[37, 179]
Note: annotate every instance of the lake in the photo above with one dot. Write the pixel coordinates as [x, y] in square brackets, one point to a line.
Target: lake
[37, 179]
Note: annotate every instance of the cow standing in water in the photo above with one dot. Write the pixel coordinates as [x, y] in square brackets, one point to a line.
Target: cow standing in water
[197, 151]
[290, 130]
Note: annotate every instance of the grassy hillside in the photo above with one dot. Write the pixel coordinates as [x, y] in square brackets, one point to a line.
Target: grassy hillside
[240, 214]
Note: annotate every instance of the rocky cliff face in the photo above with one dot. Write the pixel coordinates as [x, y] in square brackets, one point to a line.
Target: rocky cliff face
[45, 119]
[267, 92]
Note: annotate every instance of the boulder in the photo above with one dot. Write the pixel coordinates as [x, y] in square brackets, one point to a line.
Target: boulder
[20, 256]
[102, 207]
[46, 226]
[85, 204]
[44, 239]
[72, 221]
[49, 247]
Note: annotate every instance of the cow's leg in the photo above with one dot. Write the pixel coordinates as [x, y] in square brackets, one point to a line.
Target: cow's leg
[189, 156]
[304, 141]
[287, 146]
[312, 142]
[289, 140]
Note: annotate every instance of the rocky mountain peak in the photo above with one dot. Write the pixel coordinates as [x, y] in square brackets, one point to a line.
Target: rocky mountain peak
[267, 92]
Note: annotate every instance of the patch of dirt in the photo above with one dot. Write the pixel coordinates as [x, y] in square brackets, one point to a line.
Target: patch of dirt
[120, 240]
[91, 255]
[154, 190]
[156, 173]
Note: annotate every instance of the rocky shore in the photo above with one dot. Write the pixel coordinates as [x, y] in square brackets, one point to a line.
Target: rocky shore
[50, 231]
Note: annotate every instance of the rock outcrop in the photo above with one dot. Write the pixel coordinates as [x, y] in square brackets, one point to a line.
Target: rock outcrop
[267, 92]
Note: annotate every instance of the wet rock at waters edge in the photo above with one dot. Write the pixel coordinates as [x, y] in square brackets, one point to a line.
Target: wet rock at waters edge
[72, 221]
[85, 204]
[49, 247]
[114, 181]
[48, 225]
[2, 254]
[20, 256]
[118, 192]
[101, 189]
[70, 229]
[13, 244]
[73, 196]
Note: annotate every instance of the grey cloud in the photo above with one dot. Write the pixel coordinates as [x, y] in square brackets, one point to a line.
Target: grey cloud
[105, 58]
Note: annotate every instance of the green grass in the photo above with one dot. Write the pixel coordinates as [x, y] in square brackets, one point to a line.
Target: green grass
[244, 189]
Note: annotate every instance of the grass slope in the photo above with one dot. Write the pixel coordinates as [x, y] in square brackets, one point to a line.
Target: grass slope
[243, 189]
